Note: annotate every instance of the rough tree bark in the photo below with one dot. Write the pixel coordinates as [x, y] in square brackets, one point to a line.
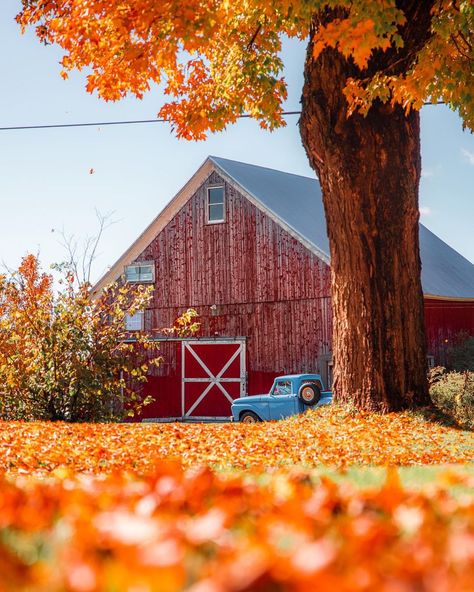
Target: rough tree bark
[369, 170]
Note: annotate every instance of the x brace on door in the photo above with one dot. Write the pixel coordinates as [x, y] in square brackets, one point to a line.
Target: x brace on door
[212, 379]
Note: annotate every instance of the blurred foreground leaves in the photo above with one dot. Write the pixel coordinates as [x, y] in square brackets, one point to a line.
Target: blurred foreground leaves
[200, 531]
[138, 507]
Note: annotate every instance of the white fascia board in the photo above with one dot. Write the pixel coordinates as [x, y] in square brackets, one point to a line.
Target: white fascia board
[447, 298]
[156, 226]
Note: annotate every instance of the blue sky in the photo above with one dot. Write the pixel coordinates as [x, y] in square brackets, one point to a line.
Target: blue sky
[46, 186]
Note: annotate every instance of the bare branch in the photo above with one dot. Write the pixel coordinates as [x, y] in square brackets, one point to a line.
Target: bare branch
[80, 257]
[460, 51]
[105, 221]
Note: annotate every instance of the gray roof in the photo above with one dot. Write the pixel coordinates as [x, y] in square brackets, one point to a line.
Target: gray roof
[296, 200]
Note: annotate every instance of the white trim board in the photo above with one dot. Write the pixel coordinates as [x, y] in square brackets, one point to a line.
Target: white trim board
[156, 226]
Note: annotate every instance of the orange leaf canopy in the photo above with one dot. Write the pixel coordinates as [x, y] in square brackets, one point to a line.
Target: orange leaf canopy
[218, 59]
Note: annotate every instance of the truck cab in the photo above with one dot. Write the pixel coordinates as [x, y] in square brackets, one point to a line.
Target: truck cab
[290, 395]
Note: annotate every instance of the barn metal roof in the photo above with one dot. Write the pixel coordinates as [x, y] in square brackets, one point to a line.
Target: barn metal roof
[297, 202]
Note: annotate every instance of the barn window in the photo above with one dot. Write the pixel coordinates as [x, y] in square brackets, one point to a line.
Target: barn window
[134, 322]
[140, 273]
[215, 205]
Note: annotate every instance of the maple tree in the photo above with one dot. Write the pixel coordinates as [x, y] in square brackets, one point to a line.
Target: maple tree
[370, 65]
[65, 355]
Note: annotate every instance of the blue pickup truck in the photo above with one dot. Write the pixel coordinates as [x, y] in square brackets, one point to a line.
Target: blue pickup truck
[289, 395]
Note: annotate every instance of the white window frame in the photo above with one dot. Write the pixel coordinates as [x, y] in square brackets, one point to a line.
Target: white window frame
[141, 264]
[140, 314]
[208, 204]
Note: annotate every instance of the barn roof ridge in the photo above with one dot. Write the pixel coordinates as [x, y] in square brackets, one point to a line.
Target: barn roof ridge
[285, 198]
[217, 159]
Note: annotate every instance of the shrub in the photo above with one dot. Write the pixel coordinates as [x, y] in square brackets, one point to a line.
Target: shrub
[453, 394]
[461, 354]
[65, 355]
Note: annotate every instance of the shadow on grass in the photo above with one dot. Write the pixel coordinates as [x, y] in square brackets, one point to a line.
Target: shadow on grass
[434, 415]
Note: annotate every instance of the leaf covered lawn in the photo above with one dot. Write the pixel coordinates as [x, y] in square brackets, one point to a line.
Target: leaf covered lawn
[235, 508]
[327, 436]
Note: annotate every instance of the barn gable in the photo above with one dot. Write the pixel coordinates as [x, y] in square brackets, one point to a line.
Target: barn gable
[295, 204]
[248, 258]
[273, 209]
[246, 276]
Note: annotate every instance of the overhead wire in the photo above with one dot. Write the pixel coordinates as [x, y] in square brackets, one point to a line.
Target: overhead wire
[126, 122]
[104, 123]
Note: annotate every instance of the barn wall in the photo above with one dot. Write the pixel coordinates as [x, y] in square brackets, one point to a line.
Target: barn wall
[444, 320]
[248, 258]
[266, 285]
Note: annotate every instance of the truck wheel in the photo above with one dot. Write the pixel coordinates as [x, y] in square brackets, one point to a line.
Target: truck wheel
[249, 417]
[309, 393]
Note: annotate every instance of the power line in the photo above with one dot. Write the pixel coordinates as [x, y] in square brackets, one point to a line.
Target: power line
[89, 124]
[103, 123]
[126, 122]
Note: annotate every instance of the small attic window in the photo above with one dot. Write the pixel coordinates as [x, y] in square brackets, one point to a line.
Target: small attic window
[215, 205]
[134, 322]
[140, 273]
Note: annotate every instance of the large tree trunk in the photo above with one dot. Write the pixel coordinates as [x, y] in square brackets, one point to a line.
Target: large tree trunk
[369, 170]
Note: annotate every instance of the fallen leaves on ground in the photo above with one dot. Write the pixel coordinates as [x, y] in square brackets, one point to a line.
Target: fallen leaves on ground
[200, 531]
[93, 507]
[328, 436]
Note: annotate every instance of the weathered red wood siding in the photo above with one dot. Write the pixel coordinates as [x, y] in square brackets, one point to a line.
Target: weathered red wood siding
[444, 319]
[164, 383]
[267, 285]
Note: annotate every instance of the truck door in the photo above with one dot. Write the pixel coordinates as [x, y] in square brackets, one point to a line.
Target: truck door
[283, 402]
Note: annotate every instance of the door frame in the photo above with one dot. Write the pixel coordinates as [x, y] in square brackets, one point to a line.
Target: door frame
[211, 378]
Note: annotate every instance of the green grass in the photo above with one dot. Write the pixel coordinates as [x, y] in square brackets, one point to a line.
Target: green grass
[413, 477]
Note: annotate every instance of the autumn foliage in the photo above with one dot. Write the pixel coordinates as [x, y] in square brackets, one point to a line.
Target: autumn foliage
[88, 507]
[64, 355]
[203, 532]
[329, 436]
[219, 59]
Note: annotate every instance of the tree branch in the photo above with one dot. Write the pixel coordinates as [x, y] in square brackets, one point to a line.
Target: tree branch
[254, 36]
[460, 51]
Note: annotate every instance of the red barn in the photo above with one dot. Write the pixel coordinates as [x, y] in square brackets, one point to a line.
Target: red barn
[246, 246]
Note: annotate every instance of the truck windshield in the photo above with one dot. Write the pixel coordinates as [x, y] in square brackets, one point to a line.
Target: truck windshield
[282, 387]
